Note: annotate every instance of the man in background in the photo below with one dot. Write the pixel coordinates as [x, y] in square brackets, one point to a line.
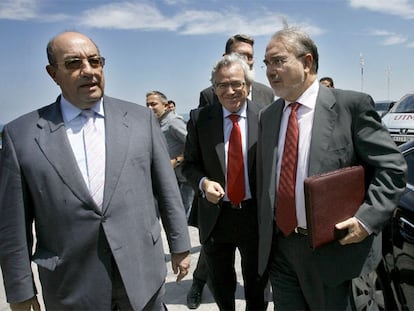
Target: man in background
[258, 92]
[85, 170]
[175, 132]
[327, 81]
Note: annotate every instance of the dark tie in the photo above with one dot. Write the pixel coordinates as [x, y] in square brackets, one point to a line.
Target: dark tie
[285, 206]
[235, 165]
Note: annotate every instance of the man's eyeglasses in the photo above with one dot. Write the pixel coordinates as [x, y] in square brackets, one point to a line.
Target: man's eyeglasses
[76, 63]
[279, 61]
[235, 85]
[275, 62]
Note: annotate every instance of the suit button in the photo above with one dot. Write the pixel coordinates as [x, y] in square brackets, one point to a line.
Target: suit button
[103, 219]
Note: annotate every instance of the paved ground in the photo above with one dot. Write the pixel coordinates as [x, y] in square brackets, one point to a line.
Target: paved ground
[176, 293]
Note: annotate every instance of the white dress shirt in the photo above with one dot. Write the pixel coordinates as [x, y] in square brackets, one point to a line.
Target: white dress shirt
[227, 127]
[74, 123]
[305, 115]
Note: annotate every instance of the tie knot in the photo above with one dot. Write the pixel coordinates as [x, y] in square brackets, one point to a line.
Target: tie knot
[234, 118]
[294, 106]
[88, 113]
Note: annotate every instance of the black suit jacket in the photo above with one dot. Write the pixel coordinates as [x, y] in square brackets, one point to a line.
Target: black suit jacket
[262, 95]
[205, 157]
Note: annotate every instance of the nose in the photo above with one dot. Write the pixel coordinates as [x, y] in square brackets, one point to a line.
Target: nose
[86, 67]
[229, 89]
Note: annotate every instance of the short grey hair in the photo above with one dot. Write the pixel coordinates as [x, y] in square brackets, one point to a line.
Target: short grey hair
[160, 95]
[227, 61]
[298, 42]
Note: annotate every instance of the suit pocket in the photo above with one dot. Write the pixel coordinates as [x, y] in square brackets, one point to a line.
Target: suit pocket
[155, 232]
[45, 259]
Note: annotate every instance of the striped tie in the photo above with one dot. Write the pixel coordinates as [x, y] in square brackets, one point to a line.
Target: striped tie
[286, 206]
[95, 157]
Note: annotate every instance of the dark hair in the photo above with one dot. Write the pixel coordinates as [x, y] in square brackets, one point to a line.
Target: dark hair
[237, 38]
[329, 79]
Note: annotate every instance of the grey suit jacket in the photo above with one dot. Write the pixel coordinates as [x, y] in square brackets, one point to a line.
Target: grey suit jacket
[41, 182]
[205, 157]
[262, 95]
[346, 131]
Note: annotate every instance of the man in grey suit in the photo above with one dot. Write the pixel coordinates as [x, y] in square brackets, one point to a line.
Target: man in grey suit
[91, 254]
[259, 93]
[336, 129]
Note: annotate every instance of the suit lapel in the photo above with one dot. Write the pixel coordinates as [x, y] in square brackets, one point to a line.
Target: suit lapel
[326, 115]
[270, 134]
[53, 142]
[252, 125]
[217, 135]
[117, 136]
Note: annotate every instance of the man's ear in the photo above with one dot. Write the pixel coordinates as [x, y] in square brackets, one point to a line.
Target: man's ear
[308, 61]
[52, 72]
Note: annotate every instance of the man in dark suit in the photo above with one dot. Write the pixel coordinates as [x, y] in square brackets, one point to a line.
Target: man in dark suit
[336, 129]
[92, 252]
[262, 95]
[226, 223]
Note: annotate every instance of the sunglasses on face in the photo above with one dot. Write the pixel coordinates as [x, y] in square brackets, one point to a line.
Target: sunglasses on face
[76, 63]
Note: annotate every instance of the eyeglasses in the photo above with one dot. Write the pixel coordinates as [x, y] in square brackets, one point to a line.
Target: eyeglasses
[235, 85]
[278, 61]
[76, 63]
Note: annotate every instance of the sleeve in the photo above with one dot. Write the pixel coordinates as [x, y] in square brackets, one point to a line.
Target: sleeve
[386, 166]
[179, 129]
[170, 204]
[15, 226]
[192, 153]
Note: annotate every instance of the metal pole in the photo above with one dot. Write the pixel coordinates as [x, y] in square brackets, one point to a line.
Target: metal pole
[362, 63]
[388, 70]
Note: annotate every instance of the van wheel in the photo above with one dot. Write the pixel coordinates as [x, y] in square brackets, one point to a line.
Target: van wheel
[372, 291]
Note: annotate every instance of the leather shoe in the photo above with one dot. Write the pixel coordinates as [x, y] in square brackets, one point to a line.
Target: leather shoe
[194, 294]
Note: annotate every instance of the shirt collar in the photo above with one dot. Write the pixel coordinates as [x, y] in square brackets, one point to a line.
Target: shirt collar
[70, 111]
[308, 98]
[242, 112]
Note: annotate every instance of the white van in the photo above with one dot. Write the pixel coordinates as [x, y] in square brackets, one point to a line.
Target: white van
[400, 120]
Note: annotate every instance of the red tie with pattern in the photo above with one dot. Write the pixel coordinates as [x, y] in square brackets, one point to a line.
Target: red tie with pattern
[285, 206]
[235, 164]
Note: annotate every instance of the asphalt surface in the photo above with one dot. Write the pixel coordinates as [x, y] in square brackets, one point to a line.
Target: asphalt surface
[176, 293]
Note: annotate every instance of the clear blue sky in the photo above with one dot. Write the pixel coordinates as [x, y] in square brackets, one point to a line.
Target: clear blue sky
[171, 45]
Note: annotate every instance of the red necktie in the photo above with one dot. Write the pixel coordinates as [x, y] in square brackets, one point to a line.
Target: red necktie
[235, 164]
[285, 206]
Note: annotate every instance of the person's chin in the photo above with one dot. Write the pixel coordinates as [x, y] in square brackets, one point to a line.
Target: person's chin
[233, 106]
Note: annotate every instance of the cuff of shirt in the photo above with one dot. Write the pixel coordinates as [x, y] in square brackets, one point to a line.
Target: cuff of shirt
[200, 186]
[368, 229]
